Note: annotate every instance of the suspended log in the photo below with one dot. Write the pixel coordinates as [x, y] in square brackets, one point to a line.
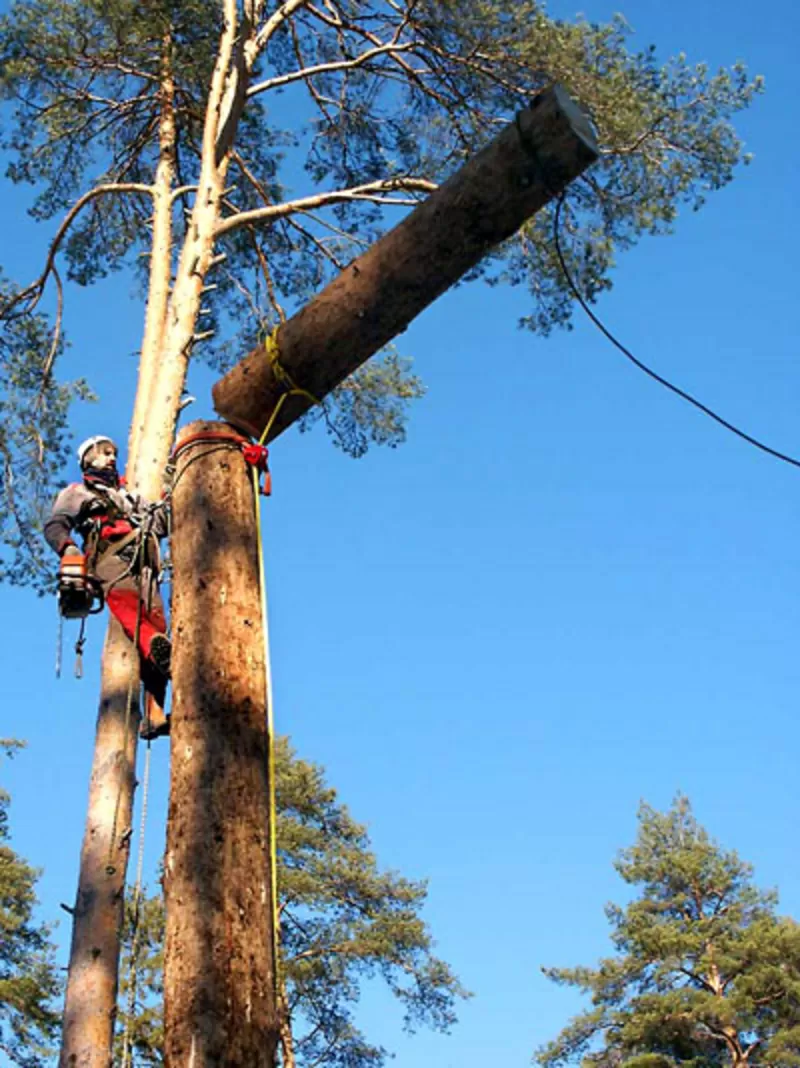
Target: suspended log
[376, 297]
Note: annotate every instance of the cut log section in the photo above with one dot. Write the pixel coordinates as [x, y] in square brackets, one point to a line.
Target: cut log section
[377, 295]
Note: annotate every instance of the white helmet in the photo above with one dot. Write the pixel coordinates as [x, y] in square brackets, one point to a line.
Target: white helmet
[90, 443]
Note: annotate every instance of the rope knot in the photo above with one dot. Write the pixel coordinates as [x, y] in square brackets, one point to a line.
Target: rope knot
[282, 377]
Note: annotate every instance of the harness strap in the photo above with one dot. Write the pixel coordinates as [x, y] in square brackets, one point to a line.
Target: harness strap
[209, 436]
[255, 455]
[116, 547]
[112, 528]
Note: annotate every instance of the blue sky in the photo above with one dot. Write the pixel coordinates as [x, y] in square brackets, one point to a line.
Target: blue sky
[567, 592]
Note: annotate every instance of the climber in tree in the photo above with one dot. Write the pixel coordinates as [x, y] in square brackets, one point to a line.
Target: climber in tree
[120, 535]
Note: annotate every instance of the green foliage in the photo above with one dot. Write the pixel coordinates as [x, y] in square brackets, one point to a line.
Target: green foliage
[34, 437]
[141, 1019]
[343, 921]
[401, 90]
[29, 980]
[666, 138]
[370, 405]
[84, 78]
[705, 971]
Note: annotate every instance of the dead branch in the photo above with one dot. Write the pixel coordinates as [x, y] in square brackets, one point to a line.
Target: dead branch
[326, 68]
[372, 191]
[47, 370]
[275, 21]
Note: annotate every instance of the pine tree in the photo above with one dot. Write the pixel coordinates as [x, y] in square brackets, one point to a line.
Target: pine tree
[343, 921]
[154, 131]
[34, 440]
[29, 981]
[705, 971]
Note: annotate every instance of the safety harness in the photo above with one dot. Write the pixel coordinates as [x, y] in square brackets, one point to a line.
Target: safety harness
[257, 455]
[106, 529]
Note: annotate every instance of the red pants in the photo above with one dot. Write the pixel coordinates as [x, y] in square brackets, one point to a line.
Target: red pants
[123, 604]
[123, 590]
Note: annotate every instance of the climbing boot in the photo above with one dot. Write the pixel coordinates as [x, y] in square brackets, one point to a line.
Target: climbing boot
[161, 653]
[149, 731]
[155, 722]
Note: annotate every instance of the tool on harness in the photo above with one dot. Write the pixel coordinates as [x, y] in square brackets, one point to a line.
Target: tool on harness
[80, 644]
[79, 593]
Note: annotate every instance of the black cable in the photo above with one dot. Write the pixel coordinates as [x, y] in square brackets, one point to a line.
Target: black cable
[642, 366]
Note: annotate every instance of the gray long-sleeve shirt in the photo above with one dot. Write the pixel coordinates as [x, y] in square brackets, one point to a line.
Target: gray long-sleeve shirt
[78, 505]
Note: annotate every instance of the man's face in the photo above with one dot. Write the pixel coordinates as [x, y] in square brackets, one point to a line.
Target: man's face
[103, 456]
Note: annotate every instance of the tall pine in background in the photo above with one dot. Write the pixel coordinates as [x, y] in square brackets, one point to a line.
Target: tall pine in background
[343, 922]
[705, 971]
[29, 981]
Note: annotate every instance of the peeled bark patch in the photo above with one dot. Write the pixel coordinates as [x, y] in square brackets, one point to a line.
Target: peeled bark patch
[219, 972]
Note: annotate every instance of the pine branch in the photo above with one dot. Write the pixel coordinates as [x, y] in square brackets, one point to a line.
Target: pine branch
[371, 191]
[34, 291]
[47, 370]
[326, 68]
[284, 12]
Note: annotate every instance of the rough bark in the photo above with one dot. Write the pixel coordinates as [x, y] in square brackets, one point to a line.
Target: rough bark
[377, 295]
[219, 984]
[91, 996]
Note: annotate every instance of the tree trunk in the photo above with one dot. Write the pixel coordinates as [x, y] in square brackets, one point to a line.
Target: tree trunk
[377, 295]
[288, 1059]
[91, 997]
[219, 981]
[93, 977]
[160, 258]
[170, 325]
[195, 261]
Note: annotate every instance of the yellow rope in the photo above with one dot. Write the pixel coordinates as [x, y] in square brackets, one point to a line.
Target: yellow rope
[273, 820]
[291, 389]
[283, 377]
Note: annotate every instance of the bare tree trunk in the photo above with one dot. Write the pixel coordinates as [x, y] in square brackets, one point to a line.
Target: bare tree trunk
[158, 290]
[219, 979]
[377, 295]
[93, 976]
[196, 259]
[91, 997]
